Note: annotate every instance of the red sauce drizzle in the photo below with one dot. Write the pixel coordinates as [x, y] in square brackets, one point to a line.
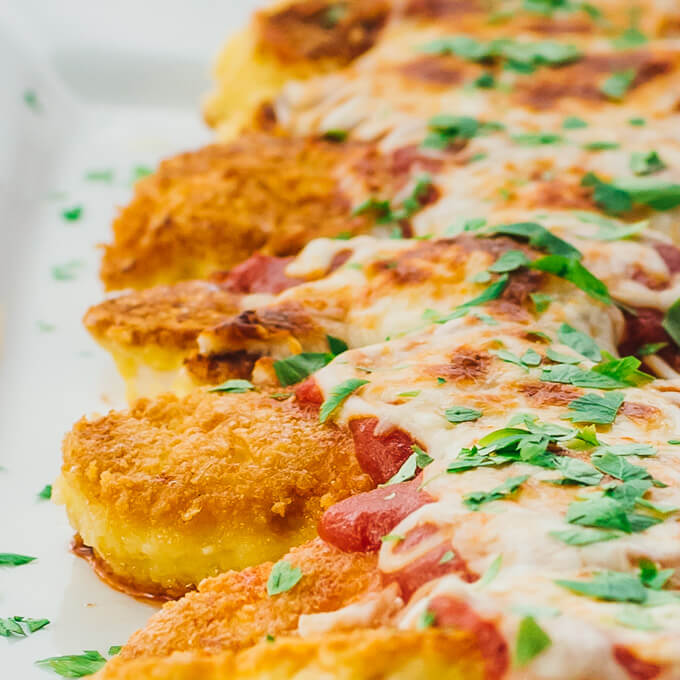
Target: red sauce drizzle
[380, 456]
[260, 274]
[670, 254]
[358, 523]
[429, 566]
[451, 612]
[308, 393]
[636, 668]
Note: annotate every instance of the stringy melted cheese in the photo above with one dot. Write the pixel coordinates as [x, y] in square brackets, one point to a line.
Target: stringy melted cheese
[583, 631]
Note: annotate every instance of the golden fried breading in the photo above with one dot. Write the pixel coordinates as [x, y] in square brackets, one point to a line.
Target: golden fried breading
[149, 333]
[233, 611]
[174, 490]
[211, 209]
[291, 41]
[384, 653]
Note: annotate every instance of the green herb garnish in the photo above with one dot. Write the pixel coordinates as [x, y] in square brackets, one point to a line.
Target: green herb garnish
[282, 578]
[234, 386]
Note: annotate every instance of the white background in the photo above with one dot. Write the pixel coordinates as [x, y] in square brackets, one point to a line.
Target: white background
[118, 85]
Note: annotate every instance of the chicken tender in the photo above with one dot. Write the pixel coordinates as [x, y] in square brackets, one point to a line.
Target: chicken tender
[290, 41]
[234, 611]
[149, 333]
[211, 209]
[174, 490]
[384, 653]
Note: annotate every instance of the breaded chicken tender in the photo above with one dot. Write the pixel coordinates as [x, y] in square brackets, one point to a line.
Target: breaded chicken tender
[233, 611]
[174, 490]
[291, 40]
[211, 209]
[384, 653]
[149, 333]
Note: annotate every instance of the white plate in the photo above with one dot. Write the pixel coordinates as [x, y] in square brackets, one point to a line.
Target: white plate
[117, 86]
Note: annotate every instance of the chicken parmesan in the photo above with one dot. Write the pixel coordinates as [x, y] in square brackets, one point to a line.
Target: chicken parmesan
[409, 336]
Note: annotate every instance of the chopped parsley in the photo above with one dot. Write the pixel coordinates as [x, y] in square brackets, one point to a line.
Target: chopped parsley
[538, 236]
[584, 536]
[72, 214]
[19, 626]
[295, 368]
[418, 459]
[646, 163]
[531, 641]
[14, 560]
[637, 122]
[76, 665]
[524, 57]
[139, 172]
[491, 572]
[447, 129]
[601, 146]
[282, 578]
[611, 230]
[509, 261]
[574, 123]
[579, 342]
[31, 100]
[650, 348]
[608, 375]
[67, 271]
[335, 135]
[600, 409]
[99, 176]
[503, 491]
[485, 81]
[338, 395]
[616, 586]
[618, 467]
[617, 84]
[541, 301]
[336, 345]
[609, 197]
[383, 211]
[671, 322]
[461, 414]
[537, 138]
[446, 557]
[426, 620]
[46, 492]
[234, 386]
[560, 358]
[572, 270]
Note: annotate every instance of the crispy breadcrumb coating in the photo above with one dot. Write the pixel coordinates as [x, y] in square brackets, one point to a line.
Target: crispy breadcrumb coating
[233, 611]
[384, 653]
[174, 490]
[211, 209]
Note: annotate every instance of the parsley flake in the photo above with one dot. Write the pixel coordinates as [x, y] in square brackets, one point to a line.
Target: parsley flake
[503, 491]
[72, 214]
[234, 386]
[295, 368]
[46, 492]
[14, 560]
[282, 578]
[338, 395]
[646, 163]
[617, 84]
[595, 408]
[531, 641]
[461, 414]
